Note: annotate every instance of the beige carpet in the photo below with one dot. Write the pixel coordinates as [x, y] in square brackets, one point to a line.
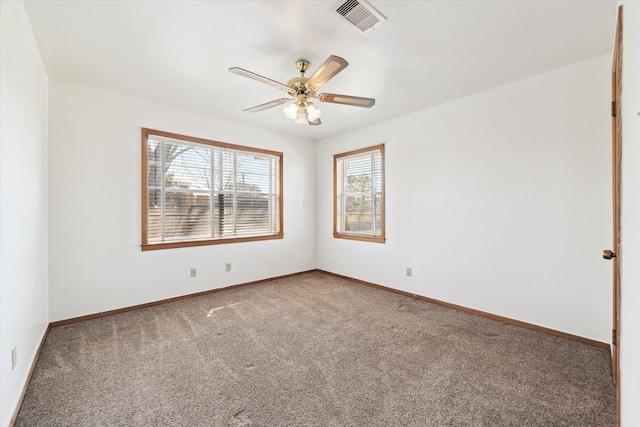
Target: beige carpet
[313, 350]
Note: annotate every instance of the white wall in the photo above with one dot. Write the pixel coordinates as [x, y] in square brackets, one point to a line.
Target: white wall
[24, 294]
[94, 199]
[630, 221]
[499, 202]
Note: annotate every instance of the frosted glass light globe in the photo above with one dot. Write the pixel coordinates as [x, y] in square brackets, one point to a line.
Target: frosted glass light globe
[291, 111]
[313, 113]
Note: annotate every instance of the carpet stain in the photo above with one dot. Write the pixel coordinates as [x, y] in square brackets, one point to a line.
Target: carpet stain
[240, 419]
[410, 308]
[491, 334]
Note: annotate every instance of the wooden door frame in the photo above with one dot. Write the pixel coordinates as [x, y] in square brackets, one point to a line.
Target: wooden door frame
[616, 147]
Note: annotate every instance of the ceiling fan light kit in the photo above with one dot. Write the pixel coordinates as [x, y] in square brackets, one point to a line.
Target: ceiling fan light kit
[302, 114]
[301, 89]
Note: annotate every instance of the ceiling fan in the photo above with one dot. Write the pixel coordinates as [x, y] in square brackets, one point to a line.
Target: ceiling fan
[301, 89]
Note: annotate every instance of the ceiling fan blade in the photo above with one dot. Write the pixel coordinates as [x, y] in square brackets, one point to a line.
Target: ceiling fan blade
[332, 66]
[316, 122]
[267, 105]
[258, 77]
[355, 101]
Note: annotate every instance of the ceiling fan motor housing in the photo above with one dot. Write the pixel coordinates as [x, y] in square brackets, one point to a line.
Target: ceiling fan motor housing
[298, 89]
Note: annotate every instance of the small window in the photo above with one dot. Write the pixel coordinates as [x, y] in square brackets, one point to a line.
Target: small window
[199, 192]
[358, 208]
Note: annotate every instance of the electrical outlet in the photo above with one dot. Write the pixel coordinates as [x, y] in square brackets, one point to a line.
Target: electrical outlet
[228, 266]
[409, 272]
[14, 358]
[193, 272]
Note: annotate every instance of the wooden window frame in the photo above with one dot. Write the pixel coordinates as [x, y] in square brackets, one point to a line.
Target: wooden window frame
[361, 237]
[146, 246]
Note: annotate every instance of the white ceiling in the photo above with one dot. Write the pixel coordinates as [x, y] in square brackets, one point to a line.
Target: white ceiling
[428, 52]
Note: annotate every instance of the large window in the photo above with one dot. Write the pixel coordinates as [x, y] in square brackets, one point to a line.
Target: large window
[200, 192]
[358, 211]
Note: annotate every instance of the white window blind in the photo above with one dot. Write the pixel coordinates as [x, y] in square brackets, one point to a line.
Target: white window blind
[202, 191]
[359, 199]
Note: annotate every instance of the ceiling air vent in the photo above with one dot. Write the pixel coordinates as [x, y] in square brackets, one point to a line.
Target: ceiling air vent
[359, 14]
